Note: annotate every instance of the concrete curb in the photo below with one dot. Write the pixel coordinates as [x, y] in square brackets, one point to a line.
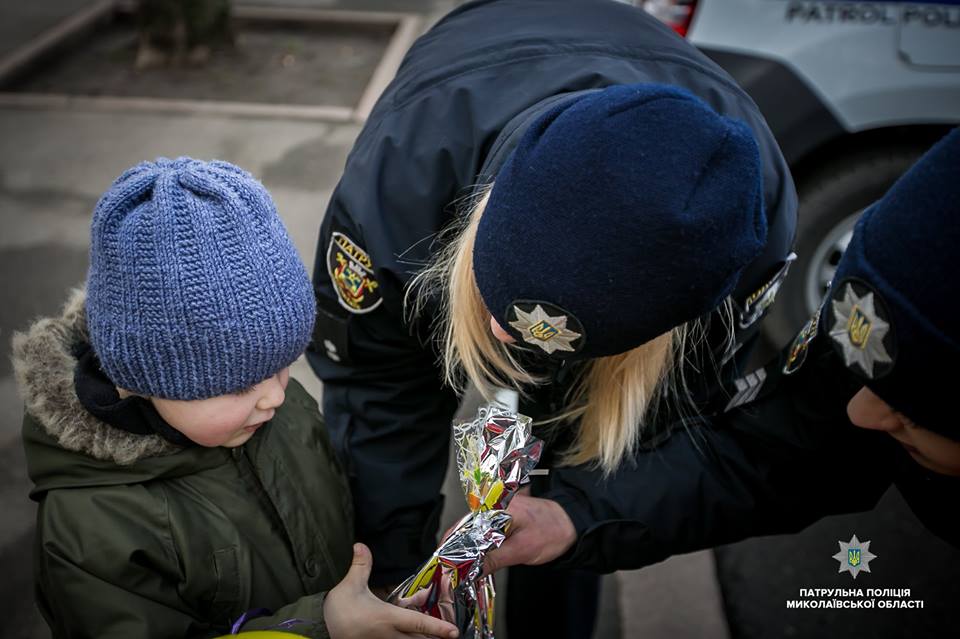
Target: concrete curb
[190, 107]
[29, 53]
[408, 28]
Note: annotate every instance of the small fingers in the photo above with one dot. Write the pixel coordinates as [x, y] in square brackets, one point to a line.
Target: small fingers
[418, 623]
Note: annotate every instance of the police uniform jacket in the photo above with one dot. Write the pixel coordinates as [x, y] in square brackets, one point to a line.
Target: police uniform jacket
[461, 99]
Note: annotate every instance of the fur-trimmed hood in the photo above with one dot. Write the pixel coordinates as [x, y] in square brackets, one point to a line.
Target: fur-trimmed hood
[44, 365]
[66, 446]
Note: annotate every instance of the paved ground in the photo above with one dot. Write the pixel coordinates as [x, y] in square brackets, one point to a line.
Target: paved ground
[31, 19]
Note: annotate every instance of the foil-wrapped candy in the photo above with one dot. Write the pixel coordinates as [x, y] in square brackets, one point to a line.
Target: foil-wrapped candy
[495, 454]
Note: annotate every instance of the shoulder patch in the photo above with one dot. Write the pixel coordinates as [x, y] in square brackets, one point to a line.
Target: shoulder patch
[801, 343]
[760, 300]
[748, 388]
[351, 271]
[861, 328]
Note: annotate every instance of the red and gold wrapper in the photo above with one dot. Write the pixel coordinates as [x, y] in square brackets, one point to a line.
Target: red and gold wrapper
[495, 454]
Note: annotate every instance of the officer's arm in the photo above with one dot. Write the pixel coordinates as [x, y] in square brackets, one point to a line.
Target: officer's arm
[774, 466]
[387, 411]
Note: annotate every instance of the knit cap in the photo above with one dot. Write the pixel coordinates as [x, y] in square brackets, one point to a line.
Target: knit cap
[891, 312]
[194, 289]
[621, 214]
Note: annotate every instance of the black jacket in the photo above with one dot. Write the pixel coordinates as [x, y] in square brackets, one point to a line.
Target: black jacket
[462, 96]
[774, 465]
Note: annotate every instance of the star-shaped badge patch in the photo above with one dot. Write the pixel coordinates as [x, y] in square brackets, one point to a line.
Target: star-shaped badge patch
[551, 333]
[860, 328]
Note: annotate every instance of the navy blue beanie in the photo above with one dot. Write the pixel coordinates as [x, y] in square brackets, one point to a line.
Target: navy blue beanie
[621, 214]
[194, 288]
[893, 311]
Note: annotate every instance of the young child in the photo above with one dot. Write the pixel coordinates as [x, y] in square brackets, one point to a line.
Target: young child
[186, 484]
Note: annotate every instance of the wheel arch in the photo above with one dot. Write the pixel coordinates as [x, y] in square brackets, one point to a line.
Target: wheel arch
[911, 136]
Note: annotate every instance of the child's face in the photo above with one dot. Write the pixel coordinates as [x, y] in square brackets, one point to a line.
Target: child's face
[225, 420]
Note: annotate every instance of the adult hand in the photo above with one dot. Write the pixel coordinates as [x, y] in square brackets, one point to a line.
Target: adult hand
[351, 611]
[541, 531]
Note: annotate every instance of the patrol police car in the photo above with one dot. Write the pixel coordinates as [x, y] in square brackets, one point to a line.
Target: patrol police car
[854, 93]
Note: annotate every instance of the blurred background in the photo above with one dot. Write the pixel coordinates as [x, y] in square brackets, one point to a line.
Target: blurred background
[853, 91]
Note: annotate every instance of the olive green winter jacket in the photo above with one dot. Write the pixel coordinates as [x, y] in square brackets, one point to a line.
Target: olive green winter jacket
[138, 538]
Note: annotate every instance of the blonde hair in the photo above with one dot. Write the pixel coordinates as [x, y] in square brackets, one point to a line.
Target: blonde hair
[613, 397]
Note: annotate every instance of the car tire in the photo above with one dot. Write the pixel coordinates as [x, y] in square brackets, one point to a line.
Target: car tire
[831, 198]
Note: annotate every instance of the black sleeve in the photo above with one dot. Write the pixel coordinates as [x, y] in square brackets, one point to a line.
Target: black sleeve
[774, 466]
[387, 410]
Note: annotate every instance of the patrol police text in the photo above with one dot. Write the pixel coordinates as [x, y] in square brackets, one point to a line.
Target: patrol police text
[873, 13]
[855, 598]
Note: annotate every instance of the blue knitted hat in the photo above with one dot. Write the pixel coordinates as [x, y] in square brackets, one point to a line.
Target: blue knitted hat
[621, 214]
[194, 288]
[893, 311]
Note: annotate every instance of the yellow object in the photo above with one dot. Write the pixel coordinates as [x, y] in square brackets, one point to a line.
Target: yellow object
[493, 495]
[423, 577]
[262, 634]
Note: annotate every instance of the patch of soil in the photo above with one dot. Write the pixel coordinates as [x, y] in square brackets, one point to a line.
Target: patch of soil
[274, 62]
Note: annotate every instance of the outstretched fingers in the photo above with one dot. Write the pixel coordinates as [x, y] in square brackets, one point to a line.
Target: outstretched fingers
[417, 623]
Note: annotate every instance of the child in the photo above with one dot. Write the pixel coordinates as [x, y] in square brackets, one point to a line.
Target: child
[186, 484]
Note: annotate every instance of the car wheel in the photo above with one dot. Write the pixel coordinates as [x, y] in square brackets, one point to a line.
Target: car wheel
[831, 200]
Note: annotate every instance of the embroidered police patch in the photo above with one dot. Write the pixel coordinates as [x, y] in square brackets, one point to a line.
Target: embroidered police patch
[546, 326]
[351, 272]
[859, 327]
[760, 300]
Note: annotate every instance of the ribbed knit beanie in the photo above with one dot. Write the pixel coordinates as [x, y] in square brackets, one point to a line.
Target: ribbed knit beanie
[194, 289]
[620, 215]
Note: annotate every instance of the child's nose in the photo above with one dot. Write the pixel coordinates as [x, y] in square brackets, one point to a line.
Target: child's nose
[273, 393]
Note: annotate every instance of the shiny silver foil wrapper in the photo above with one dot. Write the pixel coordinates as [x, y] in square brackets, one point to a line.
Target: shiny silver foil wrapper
[495, 454]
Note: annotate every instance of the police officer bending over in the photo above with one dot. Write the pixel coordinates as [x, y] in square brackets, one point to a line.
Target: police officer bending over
[870, 372]
[648, 220]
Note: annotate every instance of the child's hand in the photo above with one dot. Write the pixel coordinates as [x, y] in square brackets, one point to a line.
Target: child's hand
[351, 610]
